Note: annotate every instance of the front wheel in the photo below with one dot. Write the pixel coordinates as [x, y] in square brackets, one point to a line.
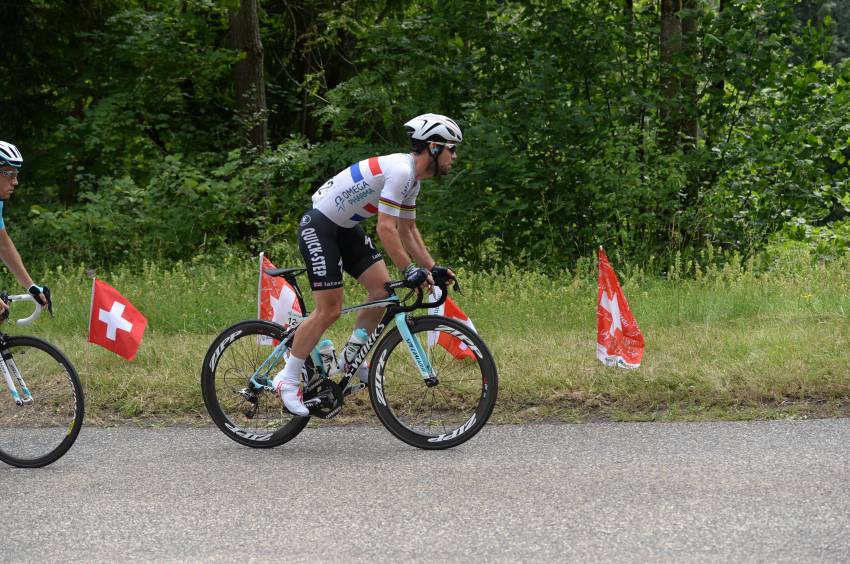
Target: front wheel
[448, 413]
[46, 423]
[249, 416]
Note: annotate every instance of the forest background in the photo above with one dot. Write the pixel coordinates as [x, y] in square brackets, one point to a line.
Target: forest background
[172, 130]
[705, 144]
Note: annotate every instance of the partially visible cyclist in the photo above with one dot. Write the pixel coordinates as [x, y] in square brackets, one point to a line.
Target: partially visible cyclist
[11, 162]
[331, 239]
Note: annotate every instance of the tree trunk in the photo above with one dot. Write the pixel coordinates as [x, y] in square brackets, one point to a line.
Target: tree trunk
[670, 45]
[248, 74]
[690, 114]
[716, 90]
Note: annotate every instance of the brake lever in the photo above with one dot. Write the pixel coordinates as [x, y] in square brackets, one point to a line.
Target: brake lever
[5, 315]
[456, 287]
[49, 302]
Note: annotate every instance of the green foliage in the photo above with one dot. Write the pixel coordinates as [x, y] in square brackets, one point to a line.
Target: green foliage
[124, 111]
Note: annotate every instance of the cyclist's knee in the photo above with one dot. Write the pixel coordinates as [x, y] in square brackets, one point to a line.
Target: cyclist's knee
[328, 314]
[377, 294]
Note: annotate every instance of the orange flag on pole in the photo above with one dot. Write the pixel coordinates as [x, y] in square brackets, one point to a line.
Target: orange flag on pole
[619, 341]
[455, 346]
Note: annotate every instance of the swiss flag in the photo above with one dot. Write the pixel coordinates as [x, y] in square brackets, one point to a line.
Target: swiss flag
[455, 346]
[114, 323]
[618, 338]
[276, 298]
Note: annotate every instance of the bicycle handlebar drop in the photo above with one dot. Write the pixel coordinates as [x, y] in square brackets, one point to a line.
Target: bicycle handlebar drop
[8, 299]
[441, 282]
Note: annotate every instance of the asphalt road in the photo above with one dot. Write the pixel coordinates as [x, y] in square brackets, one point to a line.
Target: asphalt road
[758, 491]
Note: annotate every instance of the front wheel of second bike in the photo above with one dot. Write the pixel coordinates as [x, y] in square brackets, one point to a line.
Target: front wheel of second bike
[443, 415]
[42, 426]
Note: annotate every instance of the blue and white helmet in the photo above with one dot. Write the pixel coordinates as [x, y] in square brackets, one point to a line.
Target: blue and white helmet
[434, 127]
[10, 155]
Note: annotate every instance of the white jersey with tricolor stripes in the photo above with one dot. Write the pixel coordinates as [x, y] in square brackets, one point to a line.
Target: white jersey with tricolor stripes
[387, 184]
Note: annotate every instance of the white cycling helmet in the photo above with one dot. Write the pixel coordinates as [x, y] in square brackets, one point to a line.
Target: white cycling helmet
[10, 155]
[434, 127]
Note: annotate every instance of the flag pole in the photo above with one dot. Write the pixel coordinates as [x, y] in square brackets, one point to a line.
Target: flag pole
[91, 303]
[260, 287]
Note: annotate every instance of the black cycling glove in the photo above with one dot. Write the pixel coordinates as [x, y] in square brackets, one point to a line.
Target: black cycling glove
[441, 273]
[414, 276]
[35, 290]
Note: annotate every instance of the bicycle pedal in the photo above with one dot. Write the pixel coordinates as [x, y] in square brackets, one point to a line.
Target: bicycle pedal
[354, 388]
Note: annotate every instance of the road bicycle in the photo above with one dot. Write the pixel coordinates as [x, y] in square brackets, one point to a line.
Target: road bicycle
[42, 409]
[420, 390]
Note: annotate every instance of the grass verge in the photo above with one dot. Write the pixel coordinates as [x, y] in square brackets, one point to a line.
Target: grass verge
[729, 343]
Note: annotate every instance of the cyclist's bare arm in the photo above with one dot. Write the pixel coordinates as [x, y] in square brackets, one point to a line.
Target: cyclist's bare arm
[10, 256]
[12, 259]
[388, 232]
[412, 241]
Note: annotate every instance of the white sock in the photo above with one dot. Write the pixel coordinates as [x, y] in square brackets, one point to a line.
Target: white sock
[291, 373]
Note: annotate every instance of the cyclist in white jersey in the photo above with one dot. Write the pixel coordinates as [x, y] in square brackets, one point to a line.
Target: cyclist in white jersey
[332, 241]
[11, 162]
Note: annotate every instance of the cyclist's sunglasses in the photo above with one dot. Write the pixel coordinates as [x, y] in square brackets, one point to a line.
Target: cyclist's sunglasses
[450, 146]
[9, 173]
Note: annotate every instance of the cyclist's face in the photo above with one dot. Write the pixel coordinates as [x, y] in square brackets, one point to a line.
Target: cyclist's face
[446, 159]
[8, 181]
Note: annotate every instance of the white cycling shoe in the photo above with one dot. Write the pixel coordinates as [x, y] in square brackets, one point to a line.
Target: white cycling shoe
[290, 393]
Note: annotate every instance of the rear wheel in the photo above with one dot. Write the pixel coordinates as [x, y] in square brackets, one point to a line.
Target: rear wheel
[46, 423]
[448, 413]
[250, 416]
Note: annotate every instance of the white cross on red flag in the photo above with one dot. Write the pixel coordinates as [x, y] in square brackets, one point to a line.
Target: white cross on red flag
[619, 341]
[276, 298]
[114, 323]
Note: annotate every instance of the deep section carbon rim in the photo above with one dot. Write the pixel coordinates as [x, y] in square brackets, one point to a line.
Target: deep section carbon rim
[252, 417]
[39, 432]
[444, 415]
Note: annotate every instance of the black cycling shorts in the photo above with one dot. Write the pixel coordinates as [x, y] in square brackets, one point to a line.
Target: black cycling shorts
[328, 249]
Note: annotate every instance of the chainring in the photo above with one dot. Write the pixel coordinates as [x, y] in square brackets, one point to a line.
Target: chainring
[331, 395]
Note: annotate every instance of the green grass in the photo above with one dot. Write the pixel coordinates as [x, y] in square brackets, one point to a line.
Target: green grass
[726, 344]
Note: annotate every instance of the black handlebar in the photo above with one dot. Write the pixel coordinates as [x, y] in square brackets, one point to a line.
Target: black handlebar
[441, 280]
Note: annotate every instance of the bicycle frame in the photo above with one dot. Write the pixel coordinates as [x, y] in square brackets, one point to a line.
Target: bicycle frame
[395, 311]
[8, 366]
[7, 363]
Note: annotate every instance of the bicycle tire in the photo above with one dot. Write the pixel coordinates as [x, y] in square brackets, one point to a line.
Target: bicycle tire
[445, 415]
[228, 365]
[39, 433]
